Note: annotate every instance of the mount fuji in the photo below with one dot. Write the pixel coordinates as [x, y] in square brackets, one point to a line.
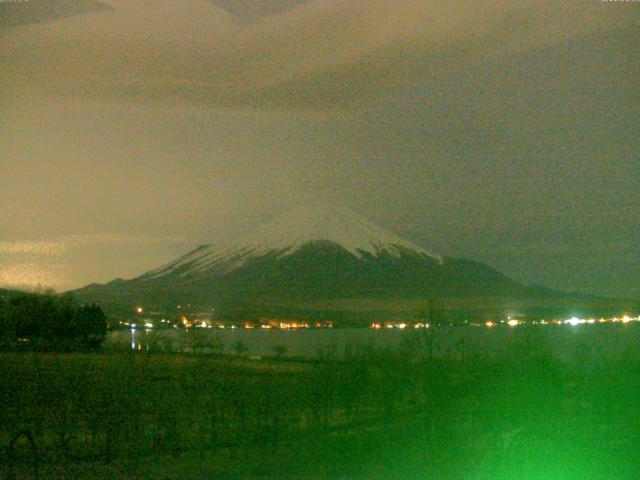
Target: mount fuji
[310, 254]
[304, 230]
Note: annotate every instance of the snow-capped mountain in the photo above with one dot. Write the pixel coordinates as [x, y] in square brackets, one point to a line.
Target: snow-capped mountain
[288, 234]
[312, 253]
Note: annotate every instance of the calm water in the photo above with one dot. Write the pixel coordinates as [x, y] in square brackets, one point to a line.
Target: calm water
[578, 345]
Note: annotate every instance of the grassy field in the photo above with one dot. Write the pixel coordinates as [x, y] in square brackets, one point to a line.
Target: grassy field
[373, 414]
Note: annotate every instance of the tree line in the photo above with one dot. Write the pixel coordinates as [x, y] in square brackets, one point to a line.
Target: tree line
[49, 322]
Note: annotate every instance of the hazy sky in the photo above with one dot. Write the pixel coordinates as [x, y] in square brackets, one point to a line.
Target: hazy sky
[502, 131]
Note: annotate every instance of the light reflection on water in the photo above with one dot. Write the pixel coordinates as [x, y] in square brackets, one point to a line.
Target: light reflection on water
[141, 339]
[584, 344]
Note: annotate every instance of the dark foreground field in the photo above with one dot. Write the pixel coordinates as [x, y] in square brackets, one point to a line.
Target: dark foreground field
[372, 414]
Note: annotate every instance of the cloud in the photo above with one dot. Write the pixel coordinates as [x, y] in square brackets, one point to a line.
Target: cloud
[59, 262]
[61, 246]
[322, 53]
[121, 239]
[46, 248]
[30, 274]
[252, 10]
[14, 13]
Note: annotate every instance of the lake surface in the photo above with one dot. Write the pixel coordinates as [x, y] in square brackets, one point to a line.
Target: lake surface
[577, 345]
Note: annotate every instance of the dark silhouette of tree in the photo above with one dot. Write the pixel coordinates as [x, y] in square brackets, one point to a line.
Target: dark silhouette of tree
[89, 325]
[50, 322]
[6, 328]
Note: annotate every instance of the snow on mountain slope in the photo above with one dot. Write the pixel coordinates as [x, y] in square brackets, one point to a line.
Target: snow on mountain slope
[287, 234]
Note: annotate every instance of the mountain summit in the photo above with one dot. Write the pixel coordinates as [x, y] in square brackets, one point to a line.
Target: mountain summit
[292, 232]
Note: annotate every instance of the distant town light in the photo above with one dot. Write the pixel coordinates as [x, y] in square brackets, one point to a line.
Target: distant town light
[513, 323]
[139, 310]
[490, 324]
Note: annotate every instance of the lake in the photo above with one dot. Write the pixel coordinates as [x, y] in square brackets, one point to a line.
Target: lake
[577, 345]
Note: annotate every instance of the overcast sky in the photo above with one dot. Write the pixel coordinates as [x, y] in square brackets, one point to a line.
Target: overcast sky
[502, 131]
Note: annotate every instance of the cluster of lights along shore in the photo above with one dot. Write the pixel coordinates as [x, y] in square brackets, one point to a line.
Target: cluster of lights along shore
[202, 320]
[513, 322]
